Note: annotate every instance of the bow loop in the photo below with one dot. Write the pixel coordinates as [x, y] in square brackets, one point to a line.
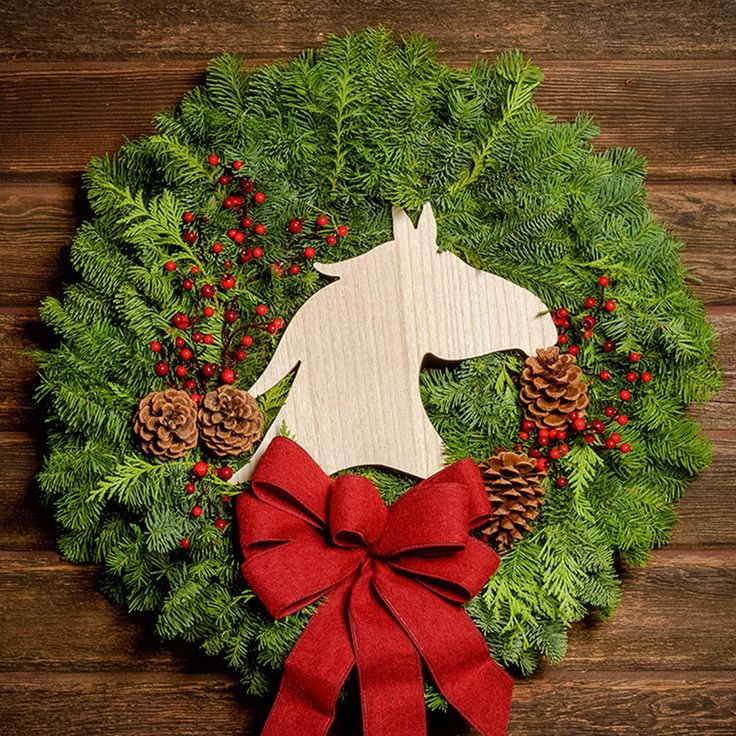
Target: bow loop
[356, 512]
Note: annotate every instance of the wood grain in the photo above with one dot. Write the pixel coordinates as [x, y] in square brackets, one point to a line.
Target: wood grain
[57, 117]
[119, 30]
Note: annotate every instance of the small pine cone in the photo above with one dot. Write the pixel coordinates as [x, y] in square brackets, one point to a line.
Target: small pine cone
[230, 421]
[515, 490]
[166, 423]
[552, 386]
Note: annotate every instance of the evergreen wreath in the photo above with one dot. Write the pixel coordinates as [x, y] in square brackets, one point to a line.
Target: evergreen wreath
[335, 138]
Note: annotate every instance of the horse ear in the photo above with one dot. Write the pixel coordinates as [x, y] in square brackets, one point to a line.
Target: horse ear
[427, 226]
[401, 223]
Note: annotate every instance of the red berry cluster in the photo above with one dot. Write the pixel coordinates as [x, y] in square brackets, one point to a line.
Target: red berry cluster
[621, 376]
[208, 503]
[213, 290]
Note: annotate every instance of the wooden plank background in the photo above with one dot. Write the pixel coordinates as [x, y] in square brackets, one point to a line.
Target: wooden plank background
[77, 77]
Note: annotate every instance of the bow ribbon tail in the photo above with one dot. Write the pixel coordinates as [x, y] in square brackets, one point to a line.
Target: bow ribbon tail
[454, 650]
[315, 671]
[389, 667]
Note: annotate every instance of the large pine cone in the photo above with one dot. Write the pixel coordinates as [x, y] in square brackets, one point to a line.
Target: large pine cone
[515, 490]
[230, 421]
[166, 423]
[552, 386]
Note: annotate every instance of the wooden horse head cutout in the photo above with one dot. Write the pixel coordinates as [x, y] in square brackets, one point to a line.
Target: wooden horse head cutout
[360, 342]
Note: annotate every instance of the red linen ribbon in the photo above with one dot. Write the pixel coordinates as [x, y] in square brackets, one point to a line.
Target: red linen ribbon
[394, 580]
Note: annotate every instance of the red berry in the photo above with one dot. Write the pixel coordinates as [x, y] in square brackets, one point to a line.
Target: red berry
[331, 240]
[197, 337]
[247, 222]
[562, 339]
[544, 432]
[534, 452]
[188, 217]
[217, 247]
[597, 425]
[622, 420]
[625, 447]
[185, 354]
[240, 355]
[161, 368]
[589, 302]
[196, 398]
[237, 165]
[156, 346]
[588, 322]
[185, 543]
[259, 197]
[200, 468]
[197, 511]
[554, 453]
[220, 524]
[605, 375]
[262, 309]
[239, 237]
[214, 159]
[564, 449]
[226, 499]
[611, 443]
[257, 252]
[631, 376]
[190, 488]
[562, 312]
[231, 233]
[603, 281]
[187, 284]
[588, 334]
[609, 411]
[208, 339]
[322, 220]
[208, 369]
[181, 371]
[590, 438]
[528, 424]
[231, 316]
[228, 376]
[294, 269]
[342, 231]
[209, 311]
[646, 376]
[208, 291]
[309, 252]
[542, 463]
[190, 383]
[170, 266]
[179, 342]
[580, 424]
[272, 329]
[616, 437]
[574, 415]
[278, 322]
[573, 350]
[610, 306]
[523, 435]
[625, 394]
[225, 179]
[247, 340]
[561, 482]
[259, 229]
[194, 270]
[296, 225]
[189, 236]
[634, 357]
[227, 282]
[226, 472]
[229, 202]
[608, 346]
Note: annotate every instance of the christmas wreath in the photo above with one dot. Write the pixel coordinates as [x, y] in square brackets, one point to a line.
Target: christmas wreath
[200, 252]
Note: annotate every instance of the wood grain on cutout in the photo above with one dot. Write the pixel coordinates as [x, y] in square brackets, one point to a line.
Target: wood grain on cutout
[359, 343]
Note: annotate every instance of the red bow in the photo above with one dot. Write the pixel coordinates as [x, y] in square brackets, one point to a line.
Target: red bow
[394, 580]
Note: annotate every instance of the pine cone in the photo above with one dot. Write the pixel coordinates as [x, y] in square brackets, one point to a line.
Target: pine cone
[515, 490]
[166, 423]
[552, 386]
[230, 421]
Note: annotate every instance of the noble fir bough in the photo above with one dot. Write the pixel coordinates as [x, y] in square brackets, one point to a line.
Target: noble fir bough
[199, 253]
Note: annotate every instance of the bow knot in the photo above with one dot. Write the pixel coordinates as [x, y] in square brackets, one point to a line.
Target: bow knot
[393, 580]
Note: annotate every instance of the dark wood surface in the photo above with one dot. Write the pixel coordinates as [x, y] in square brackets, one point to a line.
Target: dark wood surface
[77, 78]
